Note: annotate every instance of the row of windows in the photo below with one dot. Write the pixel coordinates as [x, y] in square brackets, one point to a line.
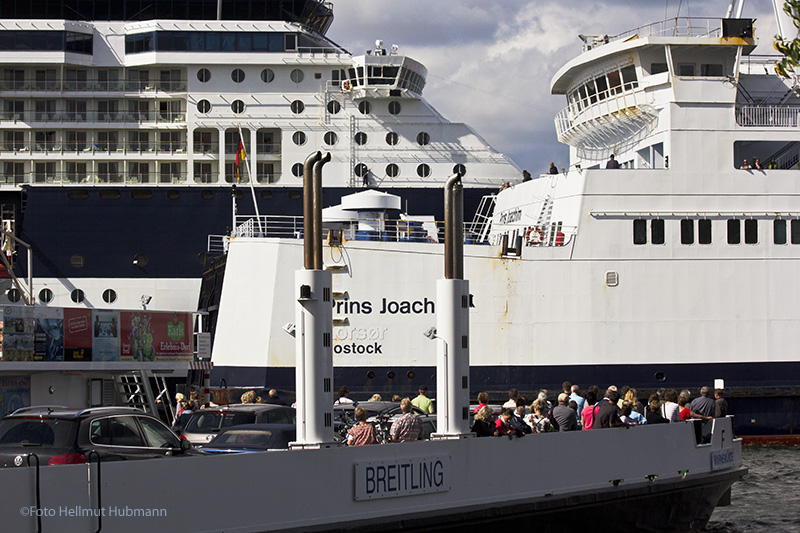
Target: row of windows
[212, 41]
[700, 231]
[77, 295]
[101, 79]
[60, 41]
[602, 87]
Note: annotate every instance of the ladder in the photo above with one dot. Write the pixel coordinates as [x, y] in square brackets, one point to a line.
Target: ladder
[481, 221]
[134, 390]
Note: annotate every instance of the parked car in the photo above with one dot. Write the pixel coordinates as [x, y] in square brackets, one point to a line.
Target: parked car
[206, 423]
[61, 435]
[250, 438]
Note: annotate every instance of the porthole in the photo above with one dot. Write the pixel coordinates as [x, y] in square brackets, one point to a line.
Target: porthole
[410, 374]
[390, 374]
[660, 376]
[267, 76]
[392, 170]
[297, 170]
[237, 75]
[392, 138]
[109, 194]
[299, 138]
[334, 107]
[77, 296]
[13, 295]
[78, 194]
[139, 194]
[294, 195]
[237, 106]
[173, 194]
[266, 195]
[203, 106]
[203, 75]
[361, 138]
[297, 107]
[423, 170]
[394, 107]
[140, 260]
[460, 169]
[45, 296]
[361, 170]
[206, 194]
[365, 107]
[331, 138]
[109, 296]
[423, 139]
[297, 75]
[370, 375]
[76, 261]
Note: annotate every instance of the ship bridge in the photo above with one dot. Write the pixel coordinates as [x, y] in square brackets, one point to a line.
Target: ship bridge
[614, 89]
[382, 73]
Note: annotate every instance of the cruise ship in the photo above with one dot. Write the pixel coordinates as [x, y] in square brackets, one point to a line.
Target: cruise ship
[130, 131]
[676, 269]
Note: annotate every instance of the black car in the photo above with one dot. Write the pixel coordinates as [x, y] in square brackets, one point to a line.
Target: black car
[251, 438]
[60, 435]
[206, 423]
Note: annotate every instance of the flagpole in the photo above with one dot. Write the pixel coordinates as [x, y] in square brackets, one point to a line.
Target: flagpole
[250, 177]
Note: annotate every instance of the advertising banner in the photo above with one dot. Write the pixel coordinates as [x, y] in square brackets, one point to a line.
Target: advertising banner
[48, 336]
[77, 334]
[154, 336]
[15, 393]
[17, 333]
[105, 335]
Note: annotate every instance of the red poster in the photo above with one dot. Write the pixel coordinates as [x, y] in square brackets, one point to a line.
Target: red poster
[77, 334]
[156, 336]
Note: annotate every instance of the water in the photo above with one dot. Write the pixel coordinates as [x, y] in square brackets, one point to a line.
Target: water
[768, 498]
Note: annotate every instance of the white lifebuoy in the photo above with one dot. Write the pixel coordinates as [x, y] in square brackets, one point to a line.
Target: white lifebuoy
[346, 85]
[533, 236]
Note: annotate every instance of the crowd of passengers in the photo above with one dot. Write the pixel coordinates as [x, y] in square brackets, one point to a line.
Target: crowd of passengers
[585, 410]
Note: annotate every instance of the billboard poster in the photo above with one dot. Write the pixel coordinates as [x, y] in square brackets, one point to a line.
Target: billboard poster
[18, 333]
[48, 334]
[77, 334]
[156, 336]
[105, 335]
[15, 393]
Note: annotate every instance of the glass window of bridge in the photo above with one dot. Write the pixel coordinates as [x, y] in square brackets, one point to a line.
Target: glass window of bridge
[658, 68]
[602, 87]
[582, 93]
[795, 233]
[614, 81]
[290, 41]
[704, 231]
[687, 231]
[751, 231]
[657, 231]
[779, 231]
[629, 77]
[686, 69]
[734, 231]
[591, 91]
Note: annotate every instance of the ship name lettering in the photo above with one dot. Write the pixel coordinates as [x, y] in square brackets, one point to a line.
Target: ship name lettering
[417, 307]
[508, 217]
[404, 477]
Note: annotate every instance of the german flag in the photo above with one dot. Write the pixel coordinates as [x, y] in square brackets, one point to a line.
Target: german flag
[240, 155]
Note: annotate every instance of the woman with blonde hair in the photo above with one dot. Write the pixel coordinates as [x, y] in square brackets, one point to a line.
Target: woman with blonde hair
[375, 398]
[484, 422]
[633, 396]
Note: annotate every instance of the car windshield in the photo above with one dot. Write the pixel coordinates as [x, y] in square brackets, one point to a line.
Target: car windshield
[211, 422]
[44, 432]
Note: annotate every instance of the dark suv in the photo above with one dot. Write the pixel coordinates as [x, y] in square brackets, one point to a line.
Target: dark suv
[206, 423]
[60, 435]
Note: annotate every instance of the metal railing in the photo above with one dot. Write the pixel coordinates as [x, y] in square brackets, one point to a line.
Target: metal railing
[95, 116]
[84, 146]
[774, 116]
[675, 27]
[116, 86]
[602, 104]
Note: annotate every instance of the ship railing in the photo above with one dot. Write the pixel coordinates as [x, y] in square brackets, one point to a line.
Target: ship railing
[266, 148]
[620, 101]
[45, 176]
[141, 86]
[141, 117]
[772, 116]
[673, 27]
[758, 64]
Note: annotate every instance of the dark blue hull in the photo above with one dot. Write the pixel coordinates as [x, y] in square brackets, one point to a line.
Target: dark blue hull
[764, 397]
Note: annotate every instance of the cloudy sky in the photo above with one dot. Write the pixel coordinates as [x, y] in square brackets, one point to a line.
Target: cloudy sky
[490, 62]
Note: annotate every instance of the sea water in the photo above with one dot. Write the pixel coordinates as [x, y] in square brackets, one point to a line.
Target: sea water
[768, 498]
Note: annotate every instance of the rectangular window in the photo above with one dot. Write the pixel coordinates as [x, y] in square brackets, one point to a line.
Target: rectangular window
[76, 141]
[170, 172]
[779, 231]
[76, 172]
[107, 140]
[796, 231]
[734, 231]
[614, 81]
[658, 68]
[602, 87]
[639, 231]
[202, 173]
[686, 69]
[629, 77]
[704, 231]
[687, 231]
[712, 70]
[266, 172]
[108, 172]
[751, 231]
[44, 172]
[139, 172]
[657, 231]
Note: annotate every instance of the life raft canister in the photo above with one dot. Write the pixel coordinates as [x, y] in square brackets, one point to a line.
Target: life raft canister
[346, 85]
[533, 236]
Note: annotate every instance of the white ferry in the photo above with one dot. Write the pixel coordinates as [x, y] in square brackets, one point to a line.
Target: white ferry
[121, 126]
[672, 271]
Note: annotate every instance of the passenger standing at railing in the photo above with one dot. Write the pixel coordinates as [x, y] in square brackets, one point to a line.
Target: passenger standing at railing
[772, 165]
[553, 168]
[612, 163]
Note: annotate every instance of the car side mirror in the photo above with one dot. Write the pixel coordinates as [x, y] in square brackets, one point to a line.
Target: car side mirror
[185, 445]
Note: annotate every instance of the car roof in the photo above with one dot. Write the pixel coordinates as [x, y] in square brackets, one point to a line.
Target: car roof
[259, 427]
[71, 412]
[243, 408]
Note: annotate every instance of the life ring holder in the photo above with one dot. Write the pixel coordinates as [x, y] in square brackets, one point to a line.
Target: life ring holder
[534, 236]
[347, 86]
